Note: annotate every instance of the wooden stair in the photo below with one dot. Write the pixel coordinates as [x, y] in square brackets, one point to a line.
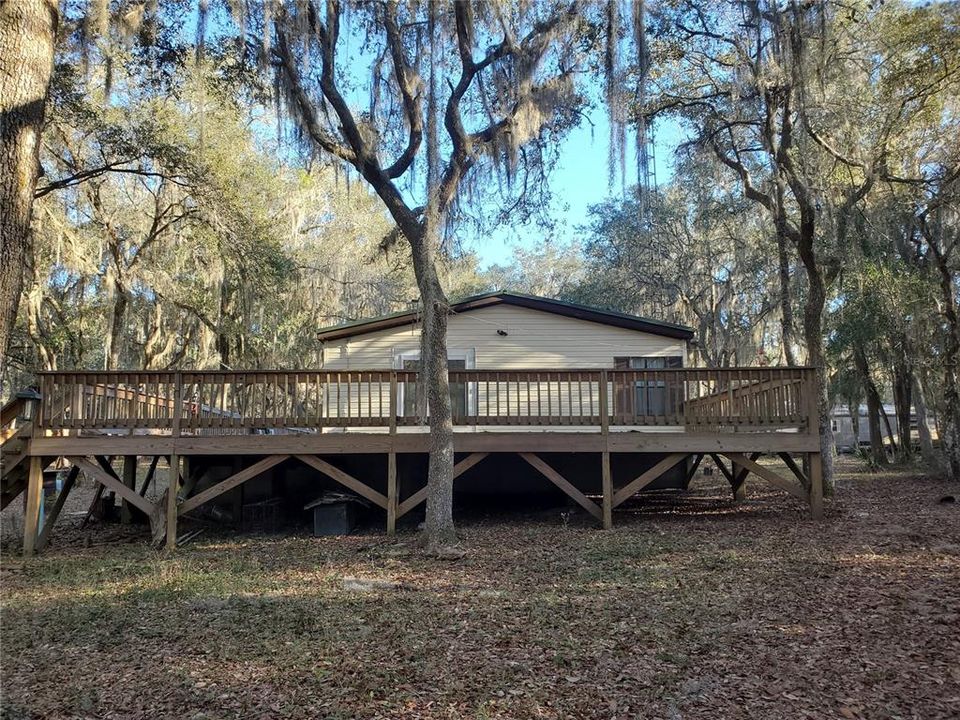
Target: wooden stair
[13, 467]
[13, 449]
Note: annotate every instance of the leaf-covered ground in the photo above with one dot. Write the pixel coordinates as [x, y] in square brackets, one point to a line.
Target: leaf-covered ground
[690, 608]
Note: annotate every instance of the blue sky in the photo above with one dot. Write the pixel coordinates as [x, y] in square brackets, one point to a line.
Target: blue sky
[579, 181]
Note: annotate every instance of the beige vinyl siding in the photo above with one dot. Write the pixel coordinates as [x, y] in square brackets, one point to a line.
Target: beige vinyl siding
[534, 340]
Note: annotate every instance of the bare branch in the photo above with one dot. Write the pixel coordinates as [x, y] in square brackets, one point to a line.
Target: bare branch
[91, 173]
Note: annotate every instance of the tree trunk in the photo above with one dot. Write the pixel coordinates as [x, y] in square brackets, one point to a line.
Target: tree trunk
[786, 300]
[115, 332]
[874, 406]
[854, 405]
[878, 453]
[886, 424]
[923, 428]
[950, 438]
[34, 313]
[223, 325]
[433, 368]
[813, 335]
[28, 31]
[903, 401]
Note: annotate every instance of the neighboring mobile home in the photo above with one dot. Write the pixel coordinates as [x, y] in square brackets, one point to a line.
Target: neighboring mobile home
[843, 433]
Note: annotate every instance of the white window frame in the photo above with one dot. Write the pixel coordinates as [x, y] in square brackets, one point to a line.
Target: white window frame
[469, 357]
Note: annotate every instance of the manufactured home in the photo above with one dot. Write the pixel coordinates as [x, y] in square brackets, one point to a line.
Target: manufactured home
[505, 332]
[594, 404]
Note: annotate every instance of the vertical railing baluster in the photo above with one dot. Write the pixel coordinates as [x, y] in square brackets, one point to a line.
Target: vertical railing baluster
[177, 404]
[604, 404]
[551, 398]
[526, 376]
[579, 398]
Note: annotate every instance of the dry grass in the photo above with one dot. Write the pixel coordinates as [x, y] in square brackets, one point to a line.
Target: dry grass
[691, 608]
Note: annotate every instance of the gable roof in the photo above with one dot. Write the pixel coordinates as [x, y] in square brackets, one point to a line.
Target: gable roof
[476, 302]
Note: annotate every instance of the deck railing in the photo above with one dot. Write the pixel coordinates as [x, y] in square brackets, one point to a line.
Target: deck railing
[209, 402]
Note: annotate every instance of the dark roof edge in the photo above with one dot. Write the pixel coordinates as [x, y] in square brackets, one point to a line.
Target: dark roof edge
[557, 307]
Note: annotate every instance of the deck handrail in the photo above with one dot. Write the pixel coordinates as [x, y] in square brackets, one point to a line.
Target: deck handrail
[303, 371]
[204, 401]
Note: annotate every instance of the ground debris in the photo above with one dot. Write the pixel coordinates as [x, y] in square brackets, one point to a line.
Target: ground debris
[369, 584]
[691, 607]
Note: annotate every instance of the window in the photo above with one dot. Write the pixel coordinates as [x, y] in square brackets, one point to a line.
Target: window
[648, 397]
[461, 394]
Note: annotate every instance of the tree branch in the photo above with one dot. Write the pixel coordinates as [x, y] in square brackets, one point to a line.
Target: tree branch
[91, 173]
[304, 104]
[407, 82]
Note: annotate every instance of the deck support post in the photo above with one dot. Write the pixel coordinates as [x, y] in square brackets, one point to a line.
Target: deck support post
[392, 493]
[693, 468]
[34, 497]
[816, 485]
[151, 471]
[54, 513]
[740, 479]
[172, 489]
[607, 490]
[393, 500]
[130, 480]
[739, 484]
[740, 493]
[606, 475]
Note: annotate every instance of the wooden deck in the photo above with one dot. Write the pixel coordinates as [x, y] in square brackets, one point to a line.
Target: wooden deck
[682, 414]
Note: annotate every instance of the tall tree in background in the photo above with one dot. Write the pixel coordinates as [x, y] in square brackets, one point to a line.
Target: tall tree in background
[28, 31]
[701, 255]
[806, 104]
[456, 89]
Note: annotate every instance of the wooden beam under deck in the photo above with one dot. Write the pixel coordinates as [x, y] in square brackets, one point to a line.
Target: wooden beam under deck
[647, 477]
[561, 482]
[421, 495]
[768, 475]
[109, 481]
[418, 442]
[345, 479]
[230, 483]
[51, 520]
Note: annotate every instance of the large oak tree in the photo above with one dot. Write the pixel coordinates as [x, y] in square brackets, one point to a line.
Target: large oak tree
[459, 93]
[28, 31]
